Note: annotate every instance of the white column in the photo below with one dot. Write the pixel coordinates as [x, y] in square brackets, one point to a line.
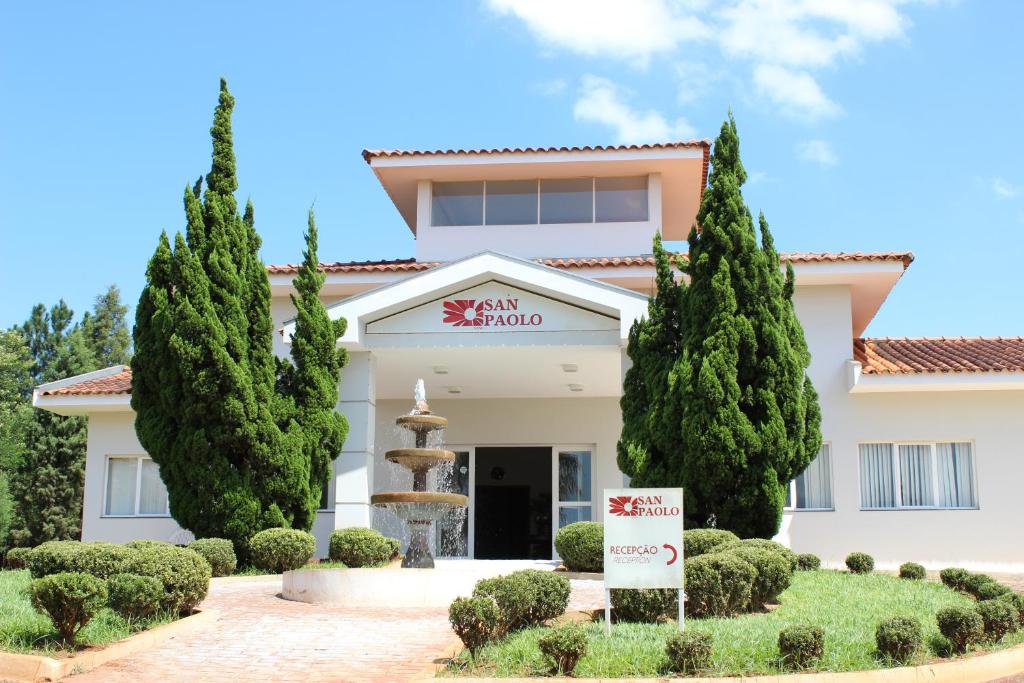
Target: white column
[354, 468]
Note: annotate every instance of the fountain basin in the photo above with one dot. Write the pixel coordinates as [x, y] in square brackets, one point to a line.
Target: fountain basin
[422, 423]
[419, 506]
[419, 459]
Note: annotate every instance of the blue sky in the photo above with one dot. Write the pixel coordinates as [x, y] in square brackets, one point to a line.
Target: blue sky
[874, 125]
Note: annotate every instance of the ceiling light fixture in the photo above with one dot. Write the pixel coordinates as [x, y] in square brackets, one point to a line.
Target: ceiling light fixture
[454, 390]
[570, 367]
[575, 387]
[440, 370]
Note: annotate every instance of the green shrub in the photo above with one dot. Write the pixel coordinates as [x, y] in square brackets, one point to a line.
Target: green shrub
[800, 646]
[703, 541]
[281, 550]
[219, 552]
[860, 563]
[899, 638]
[940, 645]
[998, 618]
[961, 626]
[70, 599]
[565, 646]
[102, 560]
[718, 584]
[764, 544]
[527, 597]
[184, 574]
[955, 578]
[773, 573]
[476, 621]
[808, 562]
[689, 652]
[912, 570]
[581, 546]
[134, 597]
[991, 591]
[362, 547]
[645, 605]
[148, 543]
[974, 582]
[1016, 601]
[16, 558]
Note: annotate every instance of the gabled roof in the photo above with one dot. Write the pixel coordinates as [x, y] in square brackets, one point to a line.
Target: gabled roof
[904, 356]
[109, 381]
[411, 265]
[370, 154]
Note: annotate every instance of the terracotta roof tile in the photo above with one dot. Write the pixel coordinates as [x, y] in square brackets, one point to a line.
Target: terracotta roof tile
[410, 265]
[369, 154]
[118, 383]
[941, 354]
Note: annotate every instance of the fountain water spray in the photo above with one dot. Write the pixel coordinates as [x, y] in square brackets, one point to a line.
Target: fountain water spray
[419, 508]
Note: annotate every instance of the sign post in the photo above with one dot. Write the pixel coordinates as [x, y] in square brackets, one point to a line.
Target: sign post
[643, 542]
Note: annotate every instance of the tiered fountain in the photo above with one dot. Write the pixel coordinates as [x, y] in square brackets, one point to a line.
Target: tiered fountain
[419, 508]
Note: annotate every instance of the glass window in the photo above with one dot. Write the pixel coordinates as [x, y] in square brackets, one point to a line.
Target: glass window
[511, 202]
[877, 489]
[460, 203]
[570, 515]
[574, 482]
[567, 200]
[812, 489]
[956, 475]
[121, 474]
[620, 200]
[927, 475]
[327, 495]
[152, 492]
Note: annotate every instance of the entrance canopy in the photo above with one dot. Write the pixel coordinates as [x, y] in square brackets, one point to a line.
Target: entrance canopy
[493, 325]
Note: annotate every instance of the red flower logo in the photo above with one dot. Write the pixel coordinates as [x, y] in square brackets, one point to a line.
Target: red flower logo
[623, 506]
[464, 313]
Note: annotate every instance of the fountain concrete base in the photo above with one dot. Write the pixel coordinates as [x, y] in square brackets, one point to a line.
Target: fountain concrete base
[396, 587]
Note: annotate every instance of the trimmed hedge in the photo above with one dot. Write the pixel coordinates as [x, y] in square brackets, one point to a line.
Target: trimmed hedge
[281, 550]
[476, 621]
[689, 652]
[808, 562]
[998, 618]
[899, 638]
[99, 559]
[1016, 601]
[185, 575]
[70, 599]
[362, 547]
[991, 591]
[912, 570]
[565, 646]
[718, 584]
[860, 563]
[774, 573]
[134, 597]
[765, 544]
[954, 577]
[527, 597]
[15, 557]
[961, 626]
[645, 605]
[698, 542]
[800, 646]
[219, 552]
[581, 546]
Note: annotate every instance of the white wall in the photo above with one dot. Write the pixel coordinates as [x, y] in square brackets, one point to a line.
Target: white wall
[986, 538]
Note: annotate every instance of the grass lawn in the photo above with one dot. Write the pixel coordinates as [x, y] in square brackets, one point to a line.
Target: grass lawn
[846, 606]
[22, 629]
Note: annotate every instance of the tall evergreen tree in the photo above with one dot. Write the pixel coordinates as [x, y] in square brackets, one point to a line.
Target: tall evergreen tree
[648, 449]
[106, 329]
[231, 448]
[750, 417]
[15, 416]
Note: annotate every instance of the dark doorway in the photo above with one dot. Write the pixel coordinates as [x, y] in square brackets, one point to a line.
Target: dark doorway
[513, 503]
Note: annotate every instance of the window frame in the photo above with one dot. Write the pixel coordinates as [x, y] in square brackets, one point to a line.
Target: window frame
[897, 475]
[593, 202]
[138, 488]
[557, 501]
[831, 487]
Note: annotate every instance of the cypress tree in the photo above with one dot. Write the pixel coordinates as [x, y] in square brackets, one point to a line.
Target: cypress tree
[750, 419]
[239, 448]
[106, 329]
[649, 449]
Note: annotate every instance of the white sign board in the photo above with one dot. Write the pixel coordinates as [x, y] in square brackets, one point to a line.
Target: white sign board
[643, 538]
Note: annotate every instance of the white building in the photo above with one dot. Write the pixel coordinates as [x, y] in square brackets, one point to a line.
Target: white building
[530, 266]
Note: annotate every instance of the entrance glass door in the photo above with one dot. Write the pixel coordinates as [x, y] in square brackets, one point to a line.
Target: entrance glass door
[512, 501]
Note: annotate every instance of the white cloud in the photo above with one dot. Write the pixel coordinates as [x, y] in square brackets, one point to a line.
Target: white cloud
[602, 101]
[817, 152]
[766, 37]
[796, 93]
[632, 30]
[758, 177]
[1004, 188]
[695, 80]
[555, 86]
